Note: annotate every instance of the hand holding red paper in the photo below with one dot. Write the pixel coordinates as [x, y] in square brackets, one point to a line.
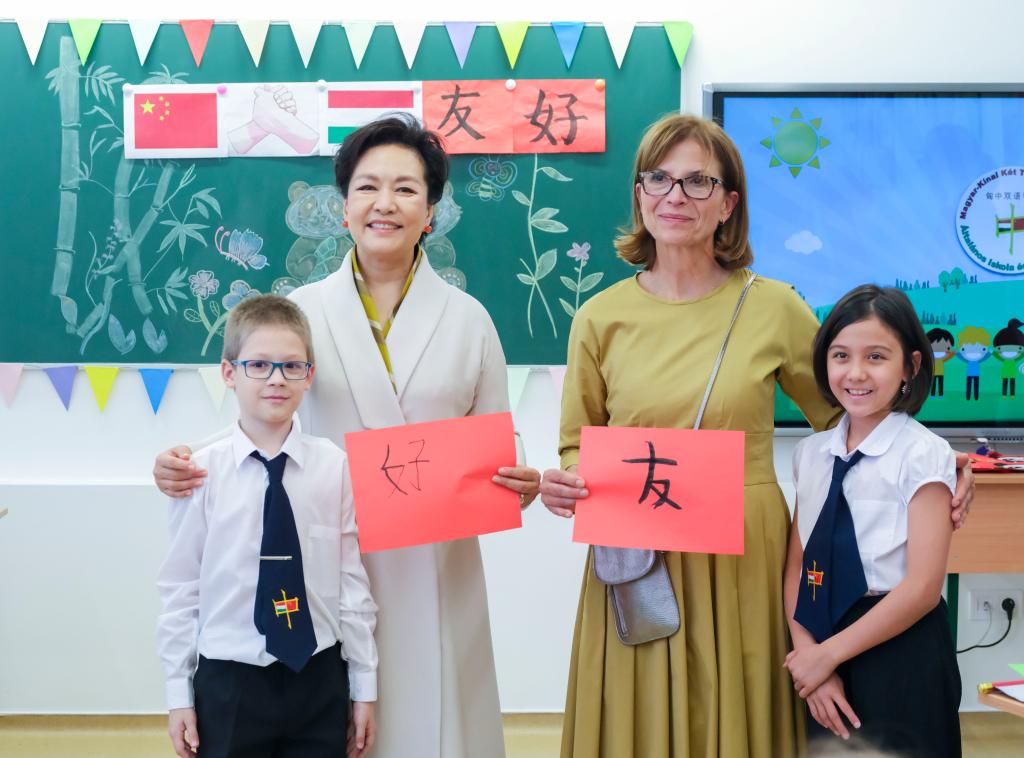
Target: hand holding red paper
[431, 482]
[662, 489]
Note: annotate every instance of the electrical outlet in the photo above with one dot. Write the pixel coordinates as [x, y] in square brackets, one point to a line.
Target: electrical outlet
[994, 598]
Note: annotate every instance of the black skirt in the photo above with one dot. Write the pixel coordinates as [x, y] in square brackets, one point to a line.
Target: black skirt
[906, 691]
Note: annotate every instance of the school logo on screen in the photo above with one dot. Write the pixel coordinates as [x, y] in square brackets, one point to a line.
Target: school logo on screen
[989, 217]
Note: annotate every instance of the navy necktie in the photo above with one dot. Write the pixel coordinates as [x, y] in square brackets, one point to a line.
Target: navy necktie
[833, 577]
[281, 612]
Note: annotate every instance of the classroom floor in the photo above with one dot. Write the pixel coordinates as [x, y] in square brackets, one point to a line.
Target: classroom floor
[992, 735]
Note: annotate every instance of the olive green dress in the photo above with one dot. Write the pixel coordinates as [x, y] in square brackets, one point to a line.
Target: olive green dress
[717, 687]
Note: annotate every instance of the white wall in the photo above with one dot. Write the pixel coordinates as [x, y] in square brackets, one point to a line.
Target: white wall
[80, 547]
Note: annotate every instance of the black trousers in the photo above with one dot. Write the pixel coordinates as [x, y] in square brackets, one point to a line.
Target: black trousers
[972, 381]
[905, 691]
[246, 711]
[937, 381]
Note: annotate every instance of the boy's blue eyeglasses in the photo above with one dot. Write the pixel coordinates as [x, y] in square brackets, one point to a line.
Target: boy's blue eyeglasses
[260, 369]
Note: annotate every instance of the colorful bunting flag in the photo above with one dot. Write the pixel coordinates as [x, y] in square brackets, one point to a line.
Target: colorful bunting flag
[84, 30]
[32, 32]
[679, 35]
[254, 32]
[558, 378]
[101, 378]
[512, 34]
[143, 34]
[517, 377]
[410, 34]
[358, 33]
[214, 384]
[197, 33]
[619, 34]
[155, 381]
[461, 35]
[10, 373]
[63, 380]
[568, 35]
[305, 32]
[348, 105]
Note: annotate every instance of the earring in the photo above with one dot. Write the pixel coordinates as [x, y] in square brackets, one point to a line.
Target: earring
[905, 389]
[428, 229]
[344, 223]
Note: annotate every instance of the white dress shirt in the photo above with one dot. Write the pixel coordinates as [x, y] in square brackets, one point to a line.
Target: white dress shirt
[208, 582]
[900, 456]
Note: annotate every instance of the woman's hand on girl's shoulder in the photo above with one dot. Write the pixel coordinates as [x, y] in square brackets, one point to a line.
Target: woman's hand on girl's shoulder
[828, 705]
[965, 486]
[559, 491]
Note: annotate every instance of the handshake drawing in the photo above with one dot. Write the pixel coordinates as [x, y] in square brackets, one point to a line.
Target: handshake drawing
[274, 112]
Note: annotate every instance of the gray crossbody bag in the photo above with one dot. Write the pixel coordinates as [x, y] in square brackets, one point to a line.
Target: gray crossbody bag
[639, 587]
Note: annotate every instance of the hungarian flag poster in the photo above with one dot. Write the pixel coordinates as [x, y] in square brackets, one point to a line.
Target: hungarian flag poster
[173, 122]
[345, 106]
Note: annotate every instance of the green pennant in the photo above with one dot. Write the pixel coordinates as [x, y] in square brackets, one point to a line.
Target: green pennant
[679, 35]
[512, 34]
[84, 31]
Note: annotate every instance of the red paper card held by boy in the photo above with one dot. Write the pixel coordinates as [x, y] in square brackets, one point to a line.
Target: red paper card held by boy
[431, 482]
[662, 489]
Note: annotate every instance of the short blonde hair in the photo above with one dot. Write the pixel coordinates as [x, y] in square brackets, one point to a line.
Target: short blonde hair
[732, 247]
[264, 310]
[974, 335]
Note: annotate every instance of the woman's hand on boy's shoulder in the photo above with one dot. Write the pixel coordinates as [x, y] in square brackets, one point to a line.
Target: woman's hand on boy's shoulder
[965, 486]
[184, 734]
[175, 474]
[362, 731]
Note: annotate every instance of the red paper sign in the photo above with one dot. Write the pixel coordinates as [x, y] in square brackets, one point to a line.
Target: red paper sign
[422, 483]
[662, 489]
[536, 116]
[175, 120]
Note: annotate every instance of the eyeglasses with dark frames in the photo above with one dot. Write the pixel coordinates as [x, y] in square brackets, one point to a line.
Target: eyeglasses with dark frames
[261, 369]
[694, 186]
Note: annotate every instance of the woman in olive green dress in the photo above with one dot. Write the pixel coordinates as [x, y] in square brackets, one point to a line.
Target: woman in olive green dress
[640, 354]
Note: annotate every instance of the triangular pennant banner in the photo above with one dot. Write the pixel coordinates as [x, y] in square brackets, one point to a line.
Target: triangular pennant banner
[102, 380]
[84, 30]
[679, 35]
[410, 33]
[32, 32]
[197, 33]
[214, 384]
[143, 33]
[512, 34]
[461, 34]
[255, 35]
[359, 33]
[155, 381]
[517, 376]
[10, 373]
[558, 378]
[306, 32]
[63, 379]
[619, 34]
[568, 35]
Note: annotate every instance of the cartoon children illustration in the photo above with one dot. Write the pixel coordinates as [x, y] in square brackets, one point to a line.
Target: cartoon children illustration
[942, 350]
[1008, 347]
[974, 350]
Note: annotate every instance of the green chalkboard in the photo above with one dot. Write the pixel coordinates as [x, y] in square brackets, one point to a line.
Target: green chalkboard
[100, 255]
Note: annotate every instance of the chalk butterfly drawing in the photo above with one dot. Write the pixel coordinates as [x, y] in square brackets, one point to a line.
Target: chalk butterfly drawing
[242, 248]
[490, 177]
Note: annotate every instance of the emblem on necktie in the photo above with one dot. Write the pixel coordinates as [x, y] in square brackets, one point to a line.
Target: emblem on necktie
[815, 579]
[286, 606]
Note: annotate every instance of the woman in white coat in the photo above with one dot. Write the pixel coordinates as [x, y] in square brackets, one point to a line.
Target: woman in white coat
[395, 344]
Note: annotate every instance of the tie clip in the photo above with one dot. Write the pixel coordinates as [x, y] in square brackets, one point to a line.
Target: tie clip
[275, 557]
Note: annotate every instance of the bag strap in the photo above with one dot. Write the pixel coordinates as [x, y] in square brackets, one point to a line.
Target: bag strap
[721, 353]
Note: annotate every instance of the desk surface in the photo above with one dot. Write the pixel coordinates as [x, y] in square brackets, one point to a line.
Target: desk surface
[1002, 702]
[990, 541]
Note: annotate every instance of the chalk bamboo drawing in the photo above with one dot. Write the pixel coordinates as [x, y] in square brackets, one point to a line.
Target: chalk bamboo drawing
[162, 187]
[540, 220]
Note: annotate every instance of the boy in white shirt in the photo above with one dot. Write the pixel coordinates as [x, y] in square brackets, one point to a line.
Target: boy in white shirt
[267, 622]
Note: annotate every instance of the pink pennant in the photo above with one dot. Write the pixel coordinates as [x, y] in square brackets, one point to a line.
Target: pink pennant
[197, 32]
[10, 373]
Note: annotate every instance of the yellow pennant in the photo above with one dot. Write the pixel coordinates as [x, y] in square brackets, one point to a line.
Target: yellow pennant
[101, 379]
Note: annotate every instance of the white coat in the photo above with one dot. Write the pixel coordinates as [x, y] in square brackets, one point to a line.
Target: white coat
[438, 694]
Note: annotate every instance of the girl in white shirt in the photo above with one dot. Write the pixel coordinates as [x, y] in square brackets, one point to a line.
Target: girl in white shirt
[871, 643]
